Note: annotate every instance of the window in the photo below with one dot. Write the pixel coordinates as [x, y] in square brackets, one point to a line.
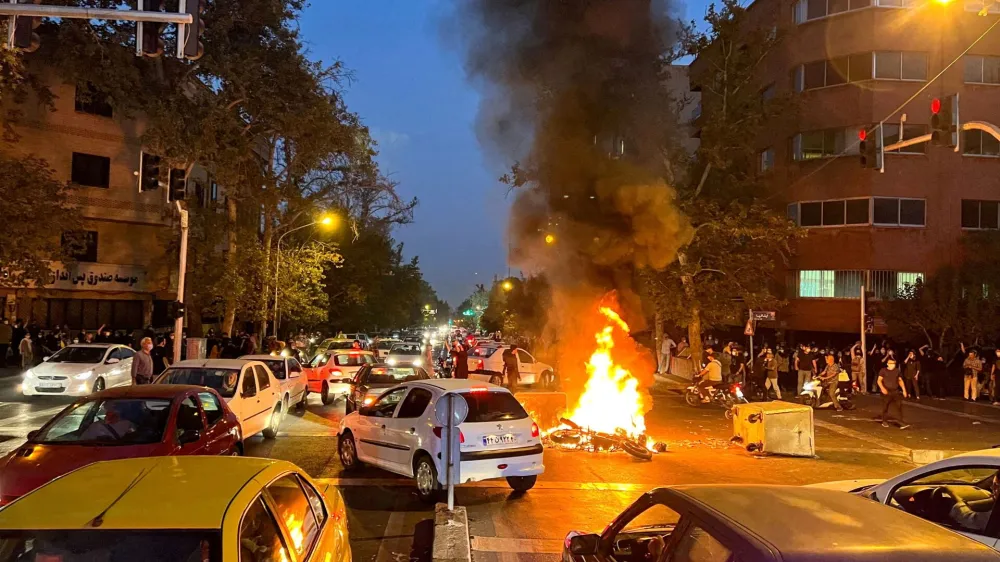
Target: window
[525, 357]
[294, 368]
[814, 75]
[885, 285]
[767, 160]
[979, 143]
[890, 135]
[811, 214]
[895, 65]
[825, 284]
[806, 10]
[249, 387]
[214, 191]
[890, 211]
[263, 381]
[793, 213]
[857, 211]
[319, 509]
[210, 404]
[825, 143]
[415, 403]
[657, 515]
[260, 539]
[816, 284]
[125, 353]
[979, 214]
[982, 69]
[295, 511]
[90, 170]
[697, 545]
[493, 407]
[833, 213]
[386, 404]
[188, 417]
[89, 100]
[81, 246]
[859, 67]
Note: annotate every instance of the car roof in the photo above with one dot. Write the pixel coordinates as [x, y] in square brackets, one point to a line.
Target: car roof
[100, 345]
[264, 357]
[147, 391]
[840, 526]
[455, 385]
[212, 363]
[188, 492]
[982, 455]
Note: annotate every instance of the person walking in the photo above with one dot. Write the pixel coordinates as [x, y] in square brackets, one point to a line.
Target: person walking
[511, 368]
[829, 378]
[159, 354]
[928, 369]
[994, 370]
[6, 333]
[858, 374]
[971, 368]
[142, 363]
[771, 369]
[911, 375]
[805, 363]
[666, 353]
[24, 351]
[459, 361]
[16, 335]
[889, 383]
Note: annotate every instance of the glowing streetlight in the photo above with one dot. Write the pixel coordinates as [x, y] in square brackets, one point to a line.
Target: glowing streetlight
[427, 307]
[550, 239]
[326, 220]
[507, 285]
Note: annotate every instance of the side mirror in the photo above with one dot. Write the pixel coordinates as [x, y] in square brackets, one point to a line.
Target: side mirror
[190, 436]
[112, 361]
[32, 434]
[347, 381]
[46, 358]
[584, 544]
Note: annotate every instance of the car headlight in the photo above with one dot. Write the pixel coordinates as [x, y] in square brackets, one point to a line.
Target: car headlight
[739, 392]
[29, 374]
[418, 362]
[390, 361]
[84, 375]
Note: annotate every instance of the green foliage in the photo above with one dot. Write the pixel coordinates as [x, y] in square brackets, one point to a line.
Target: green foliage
[517, 308]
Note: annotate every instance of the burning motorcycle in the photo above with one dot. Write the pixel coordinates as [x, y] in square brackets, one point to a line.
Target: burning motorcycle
[722, 394]
[814, 395]
[573, 436]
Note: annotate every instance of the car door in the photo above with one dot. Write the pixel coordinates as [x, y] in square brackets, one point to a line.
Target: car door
[404, 431]
[249, 403]
[125, 366]
[526, 367]
[371, 439]
[217, 437]
[260, 537]
[108, 369]
[268, 387]
[189, 424]
[298, 383]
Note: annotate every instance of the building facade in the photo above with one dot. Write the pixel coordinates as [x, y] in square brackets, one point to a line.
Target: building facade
[128, 269]
[850, 64]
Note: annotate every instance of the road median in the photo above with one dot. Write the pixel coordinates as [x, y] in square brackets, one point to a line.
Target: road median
[451, 535]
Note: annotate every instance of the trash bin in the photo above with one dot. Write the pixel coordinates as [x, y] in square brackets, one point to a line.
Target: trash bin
[779, 428]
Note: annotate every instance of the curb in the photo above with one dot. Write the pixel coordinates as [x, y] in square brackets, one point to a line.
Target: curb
[451, 535]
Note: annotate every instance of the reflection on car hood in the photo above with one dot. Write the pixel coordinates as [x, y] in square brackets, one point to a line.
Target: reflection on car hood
[65, 369]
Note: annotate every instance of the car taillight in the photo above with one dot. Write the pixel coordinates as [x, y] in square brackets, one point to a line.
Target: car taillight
[479, 365]
[534, 429]
[336, 373]
[438, 431]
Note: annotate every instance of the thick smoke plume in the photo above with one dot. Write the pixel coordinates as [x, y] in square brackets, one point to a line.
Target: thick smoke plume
[572, 93]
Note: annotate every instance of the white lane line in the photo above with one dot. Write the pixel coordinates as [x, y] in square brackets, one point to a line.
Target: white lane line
[498, 484]
[391, 537]
[516, 546]
[15, 420]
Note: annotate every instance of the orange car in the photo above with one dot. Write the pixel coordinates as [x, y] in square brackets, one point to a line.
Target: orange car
[331, 372]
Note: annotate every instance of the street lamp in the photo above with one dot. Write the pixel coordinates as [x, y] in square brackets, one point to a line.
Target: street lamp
[550, 239]
[325, 220]
[507, 286]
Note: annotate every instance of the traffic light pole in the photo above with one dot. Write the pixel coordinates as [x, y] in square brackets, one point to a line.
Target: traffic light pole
[864, 330]
[179, 321]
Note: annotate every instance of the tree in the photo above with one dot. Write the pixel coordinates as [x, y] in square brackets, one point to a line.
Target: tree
[518, 308]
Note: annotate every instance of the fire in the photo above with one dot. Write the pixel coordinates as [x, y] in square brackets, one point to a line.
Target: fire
[611, 400]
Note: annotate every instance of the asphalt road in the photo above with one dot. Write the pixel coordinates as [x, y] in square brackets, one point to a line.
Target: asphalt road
[580, 490]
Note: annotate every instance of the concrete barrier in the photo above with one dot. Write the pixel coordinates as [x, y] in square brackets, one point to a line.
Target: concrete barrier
[544, 407]
[451, 535]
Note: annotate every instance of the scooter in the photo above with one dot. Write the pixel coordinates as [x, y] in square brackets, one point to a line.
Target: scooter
[813, 394]
[723, 395]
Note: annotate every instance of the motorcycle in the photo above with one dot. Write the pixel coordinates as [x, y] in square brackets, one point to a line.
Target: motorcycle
[815, 396]
[722, 394]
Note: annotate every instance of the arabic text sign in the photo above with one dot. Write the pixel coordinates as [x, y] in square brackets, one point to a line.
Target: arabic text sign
[763, 315]
[97, 277]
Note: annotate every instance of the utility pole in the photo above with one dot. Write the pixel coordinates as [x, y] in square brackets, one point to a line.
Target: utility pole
[864, 330]
[179, 321]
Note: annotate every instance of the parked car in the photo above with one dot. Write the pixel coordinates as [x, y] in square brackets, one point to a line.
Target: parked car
[959, 493]
[288, 371]
[767, 524]
[409, 353]
[383, 347]
[486, 364]
[373, 380]
[79, 369]
[248, 387]
[363, 338]
[398, 433]
[330, 374]
[178, 510]
[135, 421]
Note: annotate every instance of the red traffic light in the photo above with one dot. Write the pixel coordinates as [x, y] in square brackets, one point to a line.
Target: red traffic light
[935, 106]
[862, 134]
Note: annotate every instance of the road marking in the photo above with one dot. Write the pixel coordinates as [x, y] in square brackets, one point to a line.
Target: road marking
[493, 484]
[509, 546]
[393, 530]
[863, 437]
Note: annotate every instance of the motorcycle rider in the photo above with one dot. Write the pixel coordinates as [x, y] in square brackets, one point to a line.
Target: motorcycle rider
[711, 375]
[829, 377]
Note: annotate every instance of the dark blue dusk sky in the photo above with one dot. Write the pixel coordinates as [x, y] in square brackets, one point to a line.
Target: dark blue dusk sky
[410, 89]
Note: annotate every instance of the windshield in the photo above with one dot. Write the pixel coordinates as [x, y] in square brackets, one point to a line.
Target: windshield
[386, 344]
[352, 359]
[341, 345]
[78, 355]
[222, 380]
[483, 351]
[108, 546]
[493, 406]
[405, 349]
[118, 421]
[393, 375]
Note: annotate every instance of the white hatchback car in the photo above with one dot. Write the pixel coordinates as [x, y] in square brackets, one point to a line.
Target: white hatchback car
[959, 492]
[398, 433]
[486, 364]
[288, 371]
[249, 388]
[79, 369]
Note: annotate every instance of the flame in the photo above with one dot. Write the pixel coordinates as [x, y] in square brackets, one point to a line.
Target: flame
[294, 527]
[611, 399]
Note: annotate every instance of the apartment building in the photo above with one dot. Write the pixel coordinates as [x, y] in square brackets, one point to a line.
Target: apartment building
[127, 271]
[851, 64]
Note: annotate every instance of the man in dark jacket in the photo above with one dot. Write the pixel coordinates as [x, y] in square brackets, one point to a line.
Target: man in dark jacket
[460, 361]
[510, 367]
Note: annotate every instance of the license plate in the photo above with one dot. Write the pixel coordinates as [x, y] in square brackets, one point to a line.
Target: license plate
[499, 439]
[49, 385]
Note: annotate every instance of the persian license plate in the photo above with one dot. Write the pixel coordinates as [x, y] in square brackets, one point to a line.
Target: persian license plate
[50, 385]
[499, 439]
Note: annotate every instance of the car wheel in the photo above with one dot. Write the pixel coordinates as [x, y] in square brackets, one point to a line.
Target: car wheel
[271, 431]
[301, 406]
[99, 385]
[237, 450]
[426, 476]
[548, 380]
[521, 483]
[327, 398]
[496, 379]
[348, 451]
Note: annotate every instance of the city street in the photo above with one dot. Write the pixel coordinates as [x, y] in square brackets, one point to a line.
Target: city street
[387, 522]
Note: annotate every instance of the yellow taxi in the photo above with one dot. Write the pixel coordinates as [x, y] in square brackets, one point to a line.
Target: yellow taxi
[178, 509]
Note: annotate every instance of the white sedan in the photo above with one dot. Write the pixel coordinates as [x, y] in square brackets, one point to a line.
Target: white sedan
[288, 371]
[79, 369]
[398, 433]
[959, 492]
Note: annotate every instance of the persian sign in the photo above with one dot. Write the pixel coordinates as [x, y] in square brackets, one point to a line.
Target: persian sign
[97, 277]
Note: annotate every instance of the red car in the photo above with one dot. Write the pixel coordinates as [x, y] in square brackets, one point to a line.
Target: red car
[330, 372]
[132, 421]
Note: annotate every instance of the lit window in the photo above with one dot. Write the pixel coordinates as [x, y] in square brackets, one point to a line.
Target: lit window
[767, 160]
[816, 284]
[904, 279]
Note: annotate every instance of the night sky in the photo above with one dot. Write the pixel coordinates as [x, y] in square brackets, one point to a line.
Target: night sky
[410, 89]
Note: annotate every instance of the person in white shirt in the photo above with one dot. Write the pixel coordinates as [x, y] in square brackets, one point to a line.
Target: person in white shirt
[974, 517]
[666, 353]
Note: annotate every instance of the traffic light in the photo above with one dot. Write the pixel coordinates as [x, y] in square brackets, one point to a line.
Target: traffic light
[151, 33]
[24, 36]
[870, 149]
[149, 172]
[193, 48]
[945, 124]
[175, 309]
[178, 184]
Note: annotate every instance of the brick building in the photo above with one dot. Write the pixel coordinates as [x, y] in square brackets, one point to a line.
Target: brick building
[127, 272]
[850, 64]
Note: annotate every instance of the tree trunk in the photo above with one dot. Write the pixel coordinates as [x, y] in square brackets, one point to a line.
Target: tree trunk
[229, 317]
[266, 293]
[694, 320]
